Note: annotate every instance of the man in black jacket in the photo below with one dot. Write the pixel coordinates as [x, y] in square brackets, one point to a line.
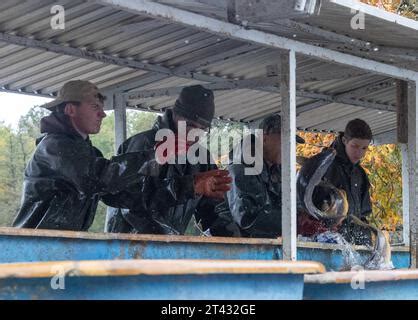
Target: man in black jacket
[347, 174]
[253, 207]
[67, 175]
[199, 185]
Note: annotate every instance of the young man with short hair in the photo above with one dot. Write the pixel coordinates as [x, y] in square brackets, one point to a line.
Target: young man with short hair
[347, 174]
[67, 175]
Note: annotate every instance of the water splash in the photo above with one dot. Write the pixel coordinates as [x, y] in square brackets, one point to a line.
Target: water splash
[351, 257]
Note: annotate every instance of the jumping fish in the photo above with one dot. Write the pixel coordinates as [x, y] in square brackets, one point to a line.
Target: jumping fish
[320, 198]
[381, 255]
[324, 201]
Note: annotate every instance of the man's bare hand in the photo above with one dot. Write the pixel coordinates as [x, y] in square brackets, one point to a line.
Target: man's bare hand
[213, 183]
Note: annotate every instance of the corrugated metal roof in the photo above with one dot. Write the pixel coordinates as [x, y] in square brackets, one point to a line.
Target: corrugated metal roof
[120, 50]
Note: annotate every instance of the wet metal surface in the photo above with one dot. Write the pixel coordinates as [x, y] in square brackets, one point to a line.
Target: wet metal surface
[30, 247]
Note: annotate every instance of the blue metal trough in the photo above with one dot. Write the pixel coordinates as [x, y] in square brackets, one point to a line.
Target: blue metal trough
[156, 279]
[363, 285]
[116, 266]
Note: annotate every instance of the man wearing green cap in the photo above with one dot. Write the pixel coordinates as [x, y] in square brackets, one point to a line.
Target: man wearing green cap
[202, 184]
[67, 175]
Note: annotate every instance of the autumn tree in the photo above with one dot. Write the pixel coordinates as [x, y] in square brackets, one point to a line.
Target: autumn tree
[407, 8]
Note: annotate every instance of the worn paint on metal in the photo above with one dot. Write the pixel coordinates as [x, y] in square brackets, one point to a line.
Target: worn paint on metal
[26, 248]
[385, 290]
[37, 245]
[156, 267]
[183, 287]
[363, 284]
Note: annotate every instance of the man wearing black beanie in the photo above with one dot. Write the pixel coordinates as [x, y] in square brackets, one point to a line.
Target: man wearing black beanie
[197, 189]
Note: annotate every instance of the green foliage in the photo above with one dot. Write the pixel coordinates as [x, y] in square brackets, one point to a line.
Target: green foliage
[99, 218]
[29, 124]
[383, 164]
[138, 121]
[216, 141]
[17, 146]
[105, 140]
[407, 8]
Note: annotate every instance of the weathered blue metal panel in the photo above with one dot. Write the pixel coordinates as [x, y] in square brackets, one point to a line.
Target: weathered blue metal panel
[178, 287]
[24, 248]
[333, 260]
[384, 290]
[28, 249]
[31, 249]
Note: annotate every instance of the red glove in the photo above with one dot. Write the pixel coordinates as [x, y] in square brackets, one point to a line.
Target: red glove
[212, 184]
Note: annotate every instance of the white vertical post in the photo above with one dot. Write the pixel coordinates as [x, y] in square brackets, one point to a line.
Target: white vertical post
[288, 112]
[412, 163]
[405, 193]
[109, 101]
[119, 105]
[402, 125]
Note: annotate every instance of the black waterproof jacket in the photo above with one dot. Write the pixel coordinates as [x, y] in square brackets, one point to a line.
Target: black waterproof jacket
[254, 203]
[169, 201]
[67, 176]
[354, 181]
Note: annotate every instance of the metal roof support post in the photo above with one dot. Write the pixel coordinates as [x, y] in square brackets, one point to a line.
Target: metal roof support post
[288, 153]
[412, 163]
[402, 138]
[119, 105]
[405, 194]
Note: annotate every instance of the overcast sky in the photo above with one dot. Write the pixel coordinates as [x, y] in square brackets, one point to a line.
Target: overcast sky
[13, 106]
